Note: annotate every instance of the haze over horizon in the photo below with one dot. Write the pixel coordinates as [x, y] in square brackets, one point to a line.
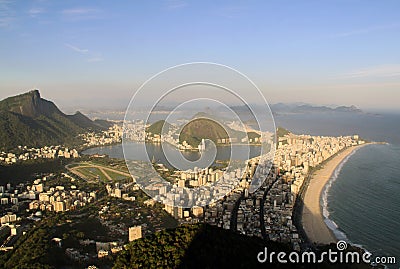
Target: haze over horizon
[96, 54]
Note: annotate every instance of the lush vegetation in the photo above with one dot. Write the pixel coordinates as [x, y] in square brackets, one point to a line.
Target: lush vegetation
[205, 246]
[158, 126]
[281, 132]
[187, 246]
[253, 135]
[194, 246]
[29, 120]
[30, 169]
[199, 129]
[202, 126]
[32, 249]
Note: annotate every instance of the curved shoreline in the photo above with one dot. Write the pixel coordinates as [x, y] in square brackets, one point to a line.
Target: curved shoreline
[312, 219]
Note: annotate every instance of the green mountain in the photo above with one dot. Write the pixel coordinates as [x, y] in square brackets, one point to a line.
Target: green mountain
[281, 132]
[156, 127]
[202, 128]
[27, 119]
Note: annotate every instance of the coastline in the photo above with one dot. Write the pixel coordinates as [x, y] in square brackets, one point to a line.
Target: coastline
[312, 218]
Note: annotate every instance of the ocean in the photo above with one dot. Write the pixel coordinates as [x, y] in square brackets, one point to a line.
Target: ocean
[361, 202]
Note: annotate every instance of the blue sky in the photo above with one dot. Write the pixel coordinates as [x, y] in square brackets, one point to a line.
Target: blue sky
[87, 53]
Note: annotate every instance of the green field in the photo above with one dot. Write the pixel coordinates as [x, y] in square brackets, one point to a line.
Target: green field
[92, 173]
[115, 176]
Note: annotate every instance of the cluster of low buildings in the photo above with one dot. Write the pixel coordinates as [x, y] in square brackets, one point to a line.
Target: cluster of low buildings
[221, 213]
[135, 130]
[179, 196]
[240, 210]
[198, 177]
[249, 218]
[297, 153]
[170, 136]
[8, 218]
[278, 213]
[110, 136]
[23, 153]
[121, 190]
[103, 249]
[57, 198]
[293, 158]
[22, 203]
[40, 197]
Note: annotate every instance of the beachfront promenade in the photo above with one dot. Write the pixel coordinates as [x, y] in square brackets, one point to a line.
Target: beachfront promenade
[312, 217]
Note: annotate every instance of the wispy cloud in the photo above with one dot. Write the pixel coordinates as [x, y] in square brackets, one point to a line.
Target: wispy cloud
[366, 30]
[75, 48]
[79, 11]
[34, 12]
[91, 57]
[175, 4]
[95, 59]
[7, 15]
[387, 70]
[232, 12]
[77, 14]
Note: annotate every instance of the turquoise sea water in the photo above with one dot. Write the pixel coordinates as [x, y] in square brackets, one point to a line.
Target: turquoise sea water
[363, 200]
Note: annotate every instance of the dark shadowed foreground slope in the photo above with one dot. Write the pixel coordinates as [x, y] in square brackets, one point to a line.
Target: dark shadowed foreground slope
[205, 246]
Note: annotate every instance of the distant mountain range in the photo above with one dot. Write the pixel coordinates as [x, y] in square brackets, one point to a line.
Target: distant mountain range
[306, 108]
[298, 108]
[27, 119]
[277, 109]
[287, 108]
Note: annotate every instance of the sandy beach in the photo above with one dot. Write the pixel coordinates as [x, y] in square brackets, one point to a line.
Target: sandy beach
[312, 218]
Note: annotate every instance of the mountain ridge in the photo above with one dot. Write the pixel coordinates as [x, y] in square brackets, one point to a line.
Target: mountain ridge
[28, 119]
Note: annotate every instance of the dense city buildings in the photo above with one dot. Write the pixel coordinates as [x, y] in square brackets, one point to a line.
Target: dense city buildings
[23, 153]
[266, 213]
[111, 136]
[56, 198]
